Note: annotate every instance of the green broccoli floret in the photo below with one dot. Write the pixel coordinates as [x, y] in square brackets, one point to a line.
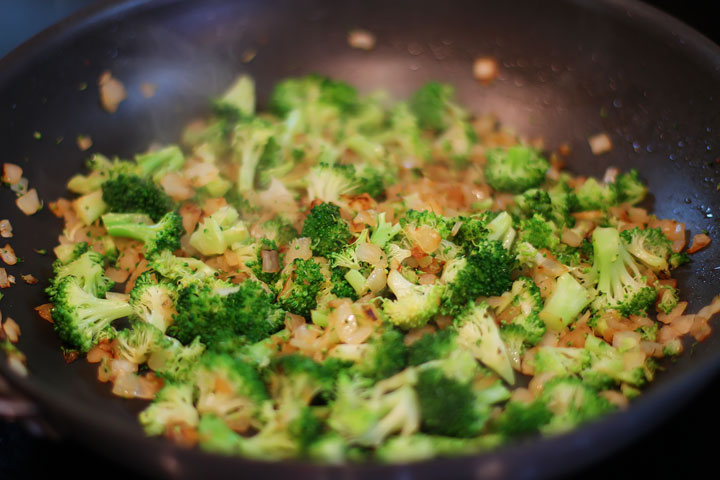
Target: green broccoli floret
[404, 134]
[417, 447]
[520, 418]
[300, 92]
[153, 302]
[307, 282]
[230, 389]
[328, 182]
[607, 367]
[158, 163]
[279, 230]
[219, 316]
[137, 343]
[82, 319]
[593, 195]
[341, 288]
[485, 272]
[572, 403]
[668, 298]
[217, 232]
[522, 309]
[414, 305]
[414, 219]
[184, 271]
[561, 361]
[163, 235]
[89, 270]
[565, 303]
[448, 406]
[329, 448]
[649, 246]
[434, 346]
[250, 139]
[238, 101]
[374, 180]
[455, 144]
[515, 169]
[68, 252]
[434, 107]
[366, 415]
[479, 334]
[273, 163]
[678, 259]
[620, 284]
[539, 232]
[174, 361]
[172, 406]
[125, 193]
[326, 229]
[535, 201]
[385, 355]
[630, 188]
[262, 247]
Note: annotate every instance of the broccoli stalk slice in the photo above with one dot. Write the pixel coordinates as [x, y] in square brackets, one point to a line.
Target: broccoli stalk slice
[567, 300]
[158, 163]
[239, 98]
[384, 231]
[249, 142]
[501, 230]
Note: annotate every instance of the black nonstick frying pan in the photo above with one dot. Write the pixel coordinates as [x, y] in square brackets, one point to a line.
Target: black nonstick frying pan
[569, 69]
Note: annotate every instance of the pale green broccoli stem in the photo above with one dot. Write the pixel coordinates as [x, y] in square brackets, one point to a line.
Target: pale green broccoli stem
[357, 281]
[565, 303]
[384, 231]
[501, 229]
[90, 207]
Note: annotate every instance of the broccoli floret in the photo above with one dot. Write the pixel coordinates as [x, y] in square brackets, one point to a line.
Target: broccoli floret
[515, 169]
[326, 229]
[68, 252]
[405, 135]
[366, 415]
[137, 343]
[433, 346]
[184, 271]
[341, 288]
[153, 302]
[172, 406]
[678, 259]
[82, 319]
[163, 235]
[262, 247]
[479, 334]
[519, 418]
[539, 233]
[158, 163]
[607, 366]
[219, 317]
[238, 101]
[535, 201]
[174, 361]
[620, 284]
[273, 163]
[374, 180]
[386, 355]
[522, 309]
[649, 246]
[329, 448]
[219, 231]
[328, 182]
[572, 402]
[125, 193]
[299, 296]
[250, 139]
[456, 143]
[101, 169]
[593, 195]
[89, 270]
[668, 298]
[485, 272]
[230, 389]
[414, 305]
[561, 361]
[448, 406]
[297, 93]
[565, 303]
[434, 107]
[630, 188]
[413, 448]
[415, 219]
[279, 230]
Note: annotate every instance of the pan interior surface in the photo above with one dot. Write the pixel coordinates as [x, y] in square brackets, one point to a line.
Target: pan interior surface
[568, 71]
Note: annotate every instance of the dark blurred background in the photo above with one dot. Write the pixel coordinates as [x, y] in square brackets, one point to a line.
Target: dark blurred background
[684, 443]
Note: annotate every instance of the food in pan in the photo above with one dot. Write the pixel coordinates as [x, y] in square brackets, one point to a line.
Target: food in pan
[339, 280]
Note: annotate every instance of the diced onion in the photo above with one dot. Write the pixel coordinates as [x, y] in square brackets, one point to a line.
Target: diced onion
[29, 203]
[11, 173]
[361, 39]
[485, 69]
[377, 280]
[600, 143]
[5, 229]
[699, 241]
[112, 92]
[8, 255]
[370, 253]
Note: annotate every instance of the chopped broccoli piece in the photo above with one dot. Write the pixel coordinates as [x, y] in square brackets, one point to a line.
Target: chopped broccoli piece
[163, 235]
[565, 303]
[153, 302]
[126, 193]
[328, 182]
[300, 295]
[158, 163]
[630, 188]
[434, 107]
[515, 169]
[414, 305]
[217, 232]
[172, 406]
[649, 246]
[327, 230]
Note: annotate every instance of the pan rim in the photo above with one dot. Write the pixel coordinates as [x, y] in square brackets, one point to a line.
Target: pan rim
[692, 42]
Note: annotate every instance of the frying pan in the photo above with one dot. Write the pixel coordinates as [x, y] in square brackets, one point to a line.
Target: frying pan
[568, 70]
